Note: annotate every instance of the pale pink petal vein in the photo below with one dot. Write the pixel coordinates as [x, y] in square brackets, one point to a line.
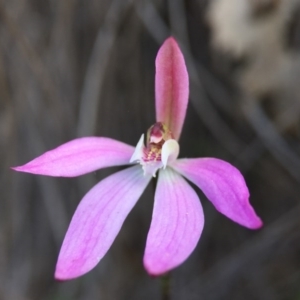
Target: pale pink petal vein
[97, 220]
[80, 156]
[223, 185]
[176, 225]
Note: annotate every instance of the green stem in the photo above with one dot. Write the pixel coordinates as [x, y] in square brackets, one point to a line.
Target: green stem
[165, 286]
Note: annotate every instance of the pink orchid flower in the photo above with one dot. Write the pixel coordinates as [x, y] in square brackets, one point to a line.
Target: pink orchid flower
[177, 219]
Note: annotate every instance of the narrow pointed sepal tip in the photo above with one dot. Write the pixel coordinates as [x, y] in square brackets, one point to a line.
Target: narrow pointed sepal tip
[59, 278]
[14, 168]
[257, 224]
[62, 275]
[27, 168]
[154, 273]
[250, 220]
[19, 168]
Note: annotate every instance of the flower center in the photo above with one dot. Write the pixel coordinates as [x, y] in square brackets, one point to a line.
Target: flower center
[157, 135]
[161, 149]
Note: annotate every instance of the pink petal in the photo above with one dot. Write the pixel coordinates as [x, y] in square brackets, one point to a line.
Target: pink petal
[223, 185]
[79, 156]
[97, 221]
[176, 226]
[171, 86]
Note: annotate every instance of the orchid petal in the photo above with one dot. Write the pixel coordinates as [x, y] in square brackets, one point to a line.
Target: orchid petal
[223, 185]
[171, 86]
[176, 226]
[97, 221]
[169, 152]
[79, 156]
[138, 152]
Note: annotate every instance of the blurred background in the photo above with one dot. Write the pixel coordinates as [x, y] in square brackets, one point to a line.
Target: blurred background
[79, 68]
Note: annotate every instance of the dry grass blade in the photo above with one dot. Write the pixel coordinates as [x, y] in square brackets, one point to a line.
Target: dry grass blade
[271, 138]
[97, 66]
